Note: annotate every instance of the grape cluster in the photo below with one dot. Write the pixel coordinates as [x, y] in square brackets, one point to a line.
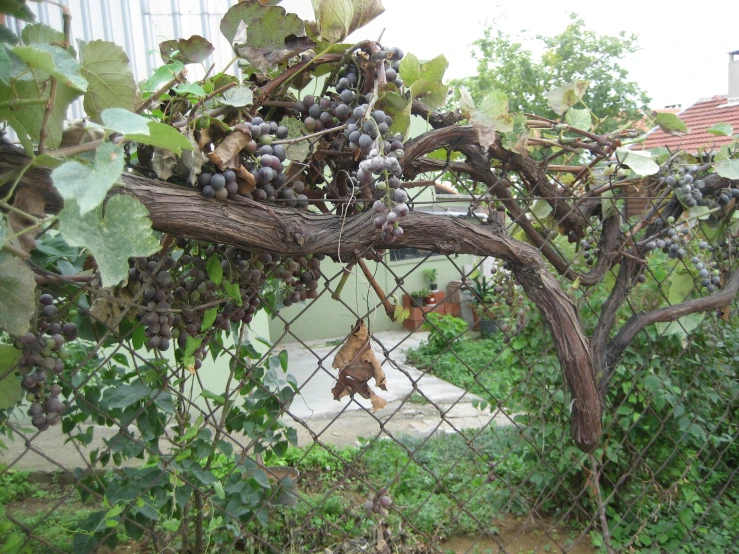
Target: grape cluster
[324, 113]
[380, 503]
[687, 189]
[392, 67]
[589, 254]
[41, 361]
[389, 211]
[153, 274]
[218, 185]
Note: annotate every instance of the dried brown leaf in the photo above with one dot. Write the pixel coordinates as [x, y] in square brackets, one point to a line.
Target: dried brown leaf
[226, 155]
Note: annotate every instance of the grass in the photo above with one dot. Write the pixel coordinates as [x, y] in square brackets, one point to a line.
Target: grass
[471, 365]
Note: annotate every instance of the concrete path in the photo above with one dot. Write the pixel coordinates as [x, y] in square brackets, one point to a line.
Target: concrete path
[315, 413]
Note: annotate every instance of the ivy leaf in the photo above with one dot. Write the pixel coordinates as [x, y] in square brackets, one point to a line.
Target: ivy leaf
[17, 295]
[670, 124]
[491, 116]
[110, 81]
[562, 98]
[88, 185]
[238, 97]
[299, 151]
[163, 136]
[195, 49]
[721, 129]
[579, 118]
[728, 169]
[640, 162]
[123, 232]
[11, 391]
[124, 396]
[124, 121]
[55, 61]
[264, 35]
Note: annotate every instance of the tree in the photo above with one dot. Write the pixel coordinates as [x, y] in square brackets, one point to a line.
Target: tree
[577, 53]
[191, 206]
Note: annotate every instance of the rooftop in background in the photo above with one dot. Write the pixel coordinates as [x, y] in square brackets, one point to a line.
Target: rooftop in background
[699, 117]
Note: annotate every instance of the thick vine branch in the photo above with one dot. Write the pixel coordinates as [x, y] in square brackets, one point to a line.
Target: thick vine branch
[637, 322]
[184, 212]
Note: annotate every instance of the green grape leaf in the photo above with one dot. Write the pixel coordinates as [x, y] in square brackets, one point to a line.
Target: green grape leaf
[680, 286]
[541, 209]
[124, 122]
[400, 314]
[364, 11]
[238, 97]
[123, 232]
[163, 136]
[640, 161]
[334, 18]
[110, 80]
[721, 129]
[17, 9]
[728, 169]
[55, 61]
[214, 270]
[17, 295]
[29, 119]
[208, 318]
[88, 185]
[5, 65]
[299, 151]
[431, 94]
[517, 139]
[412, 70]
[193, 89]
[670, 123]
[264, 35]
[490, 116]
[562, 98]
[163, 75]
[38, 33]
[233, 291]
[191, 345]
[11, 391]
[7, 36]
[682, 326]
[397, 107]
[195, 49]
[579, 118]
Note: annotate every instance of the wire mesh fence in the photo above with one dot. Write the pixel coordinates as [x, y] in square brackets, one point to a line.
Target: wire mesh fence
[447, 431]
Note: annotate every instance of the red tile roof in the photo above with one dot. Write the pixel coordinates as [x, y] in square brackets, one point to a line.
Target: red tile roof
[702, 115]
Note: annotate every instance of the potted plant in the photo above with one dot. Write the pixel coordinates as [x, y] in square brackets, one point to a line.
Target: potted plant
[430, 276]
[486, 305]
[419, 297]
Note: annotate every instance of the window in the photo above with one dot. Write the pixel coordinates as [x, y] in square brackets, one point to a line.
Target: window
[402, 254]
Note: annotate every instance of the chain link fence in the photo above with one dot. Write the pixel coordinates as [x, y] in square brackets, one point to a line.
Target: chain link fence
[450, 433]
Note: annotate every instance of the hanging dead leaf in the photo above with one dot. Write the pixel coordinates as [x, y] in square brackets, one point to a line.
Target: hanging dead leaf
[246, 181]
[357, 364]
[725, 313]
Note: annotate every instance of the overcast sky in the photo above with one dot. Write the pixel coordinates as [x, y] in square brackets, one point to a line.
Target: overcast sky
[684, 44]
